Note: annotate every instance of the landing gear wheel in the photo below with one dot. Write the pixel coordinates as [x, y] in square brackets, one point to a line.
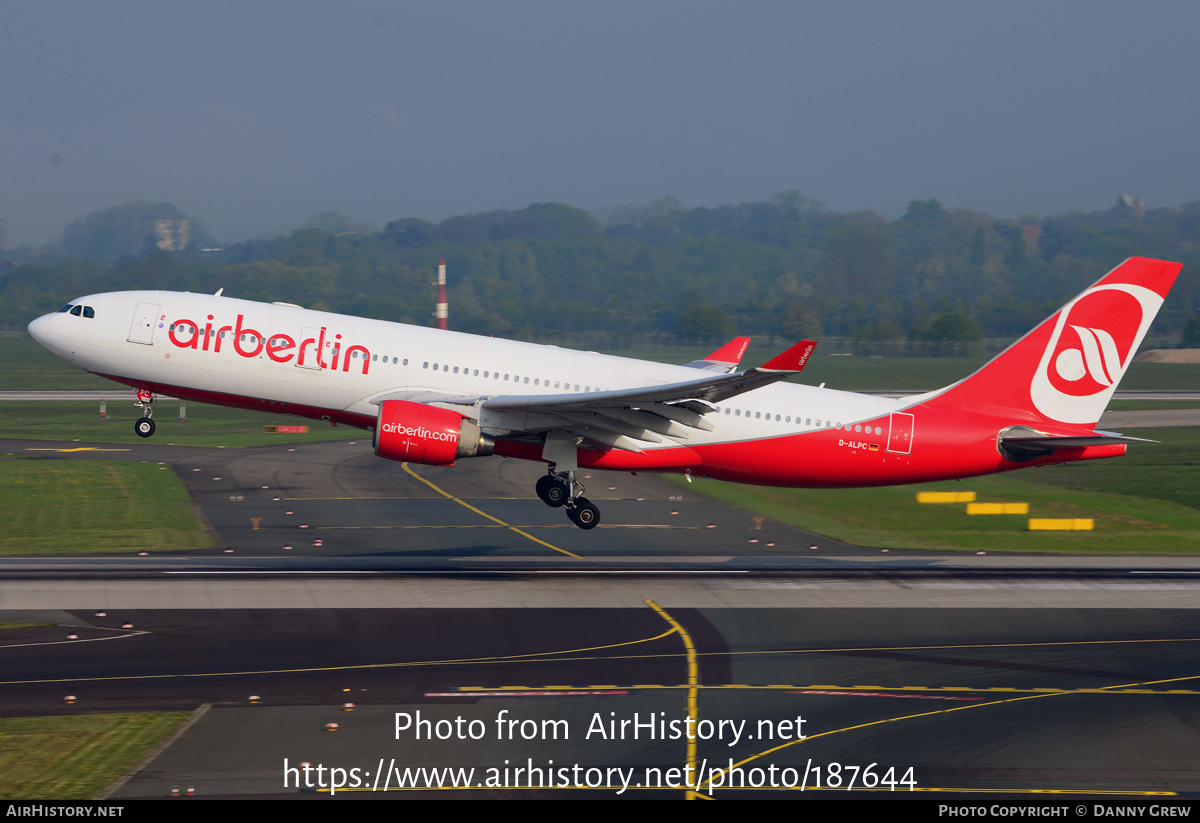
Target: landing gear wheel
[583, 514]
[552, 491]
[144, 427]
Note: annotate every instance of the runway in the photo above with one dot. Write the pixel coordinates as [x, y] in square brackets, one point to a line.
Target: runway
[970, 699]
[457, 595]
[340, 493]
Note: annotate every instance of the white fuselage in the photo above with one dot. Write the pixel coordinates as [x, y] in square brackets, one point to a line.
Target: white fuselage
[287, 356]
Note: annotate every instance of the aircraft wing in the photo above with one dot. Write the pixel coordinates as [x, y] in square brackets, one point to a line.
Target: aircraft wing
[621, 417]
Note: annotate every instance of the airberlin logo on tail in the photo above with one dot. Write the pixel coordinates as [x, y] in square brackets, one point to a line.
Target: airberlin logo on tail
[1094, 338]
[1097, 358]
[321, 351]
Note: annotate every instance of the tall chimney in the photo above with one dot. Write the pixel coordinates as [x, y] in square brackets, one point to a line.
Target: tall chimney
[443, 309]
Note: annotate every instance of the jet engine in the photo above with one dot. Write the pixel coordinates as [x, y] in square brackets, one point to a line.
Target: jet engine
[427, 434]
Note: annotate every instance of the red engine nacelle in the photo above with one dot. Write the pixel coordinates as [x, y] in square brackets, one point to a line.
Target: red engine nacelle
[426, 434]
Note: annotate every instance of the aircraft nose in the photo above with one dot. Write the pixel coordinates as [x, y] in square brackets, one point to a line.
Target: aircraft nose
[39, 329]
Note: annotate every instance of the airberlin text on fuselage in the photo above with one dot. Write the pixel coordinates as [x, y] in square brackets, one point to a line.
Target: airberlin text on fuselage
[277, 346]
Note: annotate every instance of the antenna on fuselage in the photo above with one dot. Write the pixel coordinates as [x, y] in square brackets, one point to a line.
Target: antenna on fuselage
[218, 292]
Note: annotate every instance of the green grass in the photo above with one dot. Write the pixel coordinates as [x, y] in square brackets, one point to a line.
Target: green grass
[80, 507]
[926, 373]
[891, 517]
[75, 758]
[1168, 470]
[1147, 502]
[916, 373]
[29, 367]
[6, 625]
[1149, 405]
[206, 425]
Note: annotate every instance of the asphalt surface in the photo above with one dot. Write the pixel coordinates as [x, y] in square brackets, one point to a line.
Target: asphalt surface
[970, 699]
[357, 504]
[457, 594]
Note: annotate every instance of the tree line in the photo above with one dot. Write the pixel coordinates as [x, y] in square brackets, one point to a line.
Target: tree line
[786, 266]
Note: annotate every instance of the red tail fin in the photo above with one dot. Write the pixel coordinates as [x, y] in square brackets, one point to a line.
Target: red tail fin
[1066, 369]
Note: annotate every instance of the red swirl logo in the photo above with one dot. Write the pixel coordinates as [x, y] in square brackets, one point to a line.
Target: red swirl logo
[1094, 344]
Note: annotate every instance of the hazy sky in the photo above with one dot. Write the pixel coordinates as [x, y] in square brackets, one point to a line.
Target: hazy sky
[255, 115]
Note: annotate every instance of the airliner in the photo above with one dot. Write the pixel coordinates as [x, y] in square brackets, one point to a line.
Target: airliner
[432, 396]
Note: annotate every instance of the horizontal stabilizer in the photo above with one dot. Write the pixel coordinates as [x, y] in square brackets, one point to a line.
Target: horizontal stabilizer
[1021, 443]
[1076, 441]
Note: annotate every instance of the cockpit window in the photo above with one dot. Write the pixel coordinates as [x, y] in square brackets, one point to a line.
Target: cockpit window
[77, 311]
[88, 311]
[65, 308]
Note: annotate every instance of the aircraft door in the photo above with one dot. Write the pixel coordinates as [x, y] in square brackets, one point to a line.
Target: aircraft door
[900, 433]
[141, 330]
[308, 351]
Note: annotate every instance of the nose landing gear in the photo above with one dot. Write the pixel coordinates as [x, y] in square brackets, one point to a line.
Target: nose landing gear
[145, 426]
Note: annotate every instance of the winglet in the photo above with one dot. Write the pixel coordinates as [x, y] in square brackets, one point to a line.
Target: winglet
[731, 353]
[725, 358]
[792, 360]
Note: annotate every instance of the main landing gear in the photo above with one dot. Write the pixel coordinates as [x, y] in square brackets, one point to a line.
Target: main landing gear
[145, 426]
[561, 489]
